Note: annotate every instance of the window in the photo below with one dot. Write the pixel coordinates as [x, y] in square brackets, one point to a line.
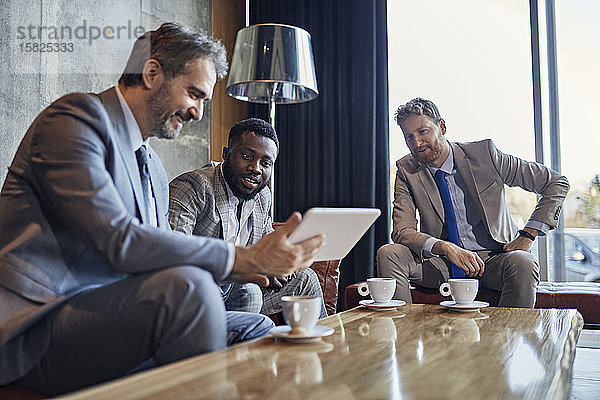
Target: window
[578, 63]
[473, 59]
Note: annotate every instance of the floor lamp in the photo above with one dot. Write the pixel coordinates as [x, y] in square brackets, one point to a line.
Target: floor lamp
[272, 64]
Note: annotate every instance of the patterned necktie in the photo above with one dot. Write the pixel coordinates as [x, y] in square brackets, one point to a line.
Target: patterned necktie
[141, 155]
[450, 218]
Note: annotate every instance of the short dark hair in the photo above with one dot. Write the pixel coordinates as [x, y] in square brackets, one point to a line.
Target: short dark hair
[417, 106]
[173, 46]
[255, 125]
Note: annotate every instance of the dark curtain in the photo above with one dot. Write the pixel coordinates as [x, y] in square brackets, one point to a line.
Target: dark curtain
[334, 150]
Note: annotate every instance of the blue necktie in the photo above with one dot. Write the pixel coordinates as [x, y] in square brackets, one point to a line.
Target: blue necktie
[450, 218]
[141, 155]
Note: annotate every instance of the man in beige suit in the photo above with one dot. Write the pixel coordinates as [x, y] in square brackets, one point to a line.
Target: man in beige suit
[488, 246]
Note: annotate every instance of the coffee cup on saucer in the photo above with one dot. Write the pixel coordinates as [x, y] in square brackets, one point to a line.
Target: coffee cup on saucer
[381, 289]
[301, 313]
[463, 290]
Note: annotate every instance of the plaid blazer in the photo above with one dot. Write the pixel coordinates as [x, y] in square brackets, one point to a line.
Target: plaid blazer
[198, 203]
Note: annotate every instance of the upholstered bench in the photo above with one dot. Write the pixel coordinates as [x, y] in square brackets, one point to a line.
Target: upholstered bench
[584, 296]
[328, 273]
[17, 393]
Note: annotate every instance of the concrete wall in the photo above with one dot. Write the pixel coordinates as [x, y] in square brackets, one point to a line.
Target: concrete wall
[30, 79]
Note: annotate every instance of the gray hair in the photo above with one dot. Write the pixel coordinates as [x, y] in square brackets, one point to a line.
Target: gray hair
[173, 46]
[417, 106]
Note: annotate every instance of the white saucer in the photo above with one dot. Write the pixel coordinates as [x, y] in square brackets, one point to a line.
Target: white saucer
[283, 332]
[390, 305]
[469, 307]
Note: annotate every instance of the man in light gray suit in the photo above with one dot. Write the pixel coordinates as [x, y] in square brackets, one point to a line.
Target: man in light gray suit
[232, 201]
[488, 246]
[93, 283]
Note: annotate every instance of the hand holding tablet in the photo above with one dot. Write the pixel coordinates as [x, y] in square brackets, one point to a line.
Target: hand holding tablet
[343, 227]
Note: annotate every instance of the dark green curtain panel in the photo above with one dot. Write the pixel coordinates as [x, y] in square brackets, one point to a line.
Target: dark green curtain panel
[334, 150]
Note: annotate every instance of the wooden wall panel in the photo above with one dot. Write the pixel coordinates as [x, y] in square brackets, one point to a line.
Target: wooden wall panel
[227, 17]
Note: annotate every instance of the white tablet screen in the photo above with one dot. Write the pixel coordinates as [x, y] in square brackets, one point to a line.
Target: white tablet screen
[343, 227]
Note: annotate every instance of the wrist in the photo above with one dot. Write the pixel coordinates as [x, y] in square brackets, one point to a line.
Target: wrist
[526, 234]
[439, 248]
[243, 262]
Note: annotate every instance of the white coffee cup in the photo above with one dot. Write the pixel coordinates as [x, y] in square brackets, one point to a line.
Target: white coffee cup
[301, 313]
[463, 291]
[381, 289]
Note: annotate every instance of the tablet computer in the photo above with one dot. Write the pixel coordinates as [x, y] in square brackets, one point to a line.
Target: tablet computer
[343, 227]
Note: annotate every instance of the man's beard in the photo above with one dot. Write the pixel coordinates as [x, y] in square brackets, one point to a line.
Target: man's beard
[228, 175]
[436, 150]
[162, 128]
[165, 131]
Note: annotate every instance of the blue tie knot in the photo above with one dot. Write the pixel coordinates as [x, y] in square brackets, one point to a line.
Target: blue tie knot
[439, 174]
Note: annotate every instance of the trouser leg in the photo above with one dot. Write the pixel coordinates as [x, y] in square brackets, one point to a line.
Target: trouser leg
[398, 262]
[247, 297]
[515, 274]
[107, 332]
[304, 283]
[245, 326]
[240, 326]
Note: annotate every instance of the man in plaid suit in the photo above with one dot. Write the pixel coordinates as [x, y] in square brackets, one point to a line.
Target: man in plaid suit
[231, 200]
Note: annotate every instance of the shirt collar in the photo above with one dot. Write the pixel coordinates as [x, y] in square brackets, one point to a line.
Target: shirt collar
[447, 165]
[135, 134]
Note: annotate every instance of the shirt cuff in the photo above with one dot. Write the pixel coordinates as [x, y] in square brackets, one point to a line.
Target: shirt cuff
[540, 226]
[428, 246]
[230, 259]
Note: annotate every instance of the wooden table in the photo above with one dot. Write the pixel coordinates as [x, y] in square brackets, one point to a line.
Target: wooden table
[417, 352]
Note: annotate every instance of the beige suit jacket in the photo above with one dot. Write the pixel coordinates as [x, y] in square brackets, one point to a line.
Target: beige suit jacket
[485, 170]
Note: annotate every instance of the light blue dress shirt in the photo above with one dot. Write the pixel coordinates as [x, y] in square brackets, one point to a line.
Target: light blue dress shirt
[474, 235]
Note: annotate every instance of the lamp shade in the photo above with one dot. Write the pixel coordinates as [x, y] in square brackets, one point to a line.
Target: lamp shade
[272, 63]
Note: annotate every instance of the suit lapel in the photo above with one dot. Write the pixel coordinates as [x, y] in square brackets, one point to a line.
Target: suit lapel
[463, 166]
[221, 198]
[432, 190]
[158, 179]
[255, 235]
[113, 107]
[259, 215]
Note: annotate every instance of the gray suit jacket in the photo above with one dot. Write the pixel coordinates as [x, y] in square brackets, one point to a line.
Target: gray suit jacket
[485, 170]
[70, 220]
[199, 201]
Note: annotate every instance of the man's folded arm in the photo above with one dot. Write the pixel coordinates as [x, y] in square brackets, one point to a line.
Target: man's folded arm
[533, 177]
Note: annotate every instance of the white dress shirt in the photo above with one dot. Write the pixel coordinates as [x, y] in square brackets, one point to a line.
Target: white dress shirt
[238, 231]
